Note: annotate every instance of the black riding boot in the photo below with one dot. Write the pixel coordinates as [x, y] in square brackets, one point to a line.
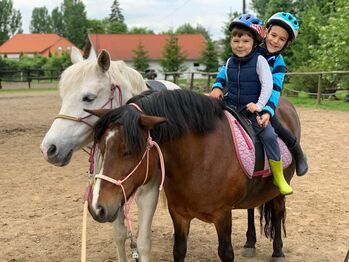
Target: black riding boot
[301, 160]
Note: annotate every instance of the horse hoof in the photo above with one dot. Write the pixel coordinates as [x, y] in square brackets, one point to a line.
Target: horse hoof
[278, 259]
[249, 252]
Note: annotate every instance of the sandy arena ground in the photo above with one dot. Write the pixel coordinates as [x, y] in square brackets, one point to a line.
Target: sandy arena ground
[42, 204]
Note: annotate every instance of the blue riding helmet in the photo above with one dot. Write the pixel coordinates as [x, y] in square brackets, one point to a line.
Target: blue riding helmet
[250, 22]
[287, 21]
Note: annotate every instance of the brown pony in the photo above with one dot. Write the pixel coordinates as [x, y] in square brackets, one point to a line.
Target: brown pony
[203, 177]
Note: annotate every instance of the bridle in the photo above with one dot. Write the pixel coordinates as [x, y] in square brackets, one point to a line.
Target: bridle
[150, 143]
[82, 119]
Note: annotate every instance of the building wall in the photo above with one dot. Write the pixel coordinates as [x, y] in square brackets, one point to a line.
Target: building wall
[190, 65]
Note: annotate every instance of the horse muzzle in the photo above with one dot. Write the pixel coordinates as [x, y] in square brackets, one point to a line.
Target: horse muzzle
[54, 156]
[103, 213]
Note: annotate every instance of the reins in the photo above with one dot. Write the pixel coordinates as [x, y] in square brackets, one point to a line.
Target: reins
[91, 161]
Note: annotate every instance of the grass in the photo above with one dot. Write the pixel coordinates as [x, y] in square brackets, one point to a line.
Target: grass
[27, 90]
[312, 103]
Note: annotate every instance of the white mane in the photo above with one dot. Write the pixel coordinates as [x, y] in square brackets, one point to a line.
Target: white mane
[126, 77]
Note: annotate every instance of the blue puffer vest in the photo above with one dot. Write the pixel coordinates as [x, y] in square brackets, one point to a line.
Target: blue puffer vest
[242, 80]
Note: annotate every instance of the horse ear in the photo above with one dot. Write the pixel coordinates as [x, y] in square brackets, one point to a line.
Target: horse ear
[75, 55]
[104, 60]
[151, 121]
[97, 112]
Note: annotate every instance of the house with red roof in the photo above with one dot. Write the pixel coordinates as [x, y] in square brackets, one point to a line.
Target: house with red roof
[122, 46]
[30, 44]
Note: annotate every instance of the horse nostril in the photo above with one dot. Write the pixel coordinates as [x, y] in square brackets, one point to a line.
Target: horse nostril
[52, 150]
[101, 212]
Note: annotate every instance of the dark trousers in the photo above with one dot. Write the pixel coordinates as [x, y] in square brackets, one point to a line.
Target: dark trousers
[268, 138]
[283, 132]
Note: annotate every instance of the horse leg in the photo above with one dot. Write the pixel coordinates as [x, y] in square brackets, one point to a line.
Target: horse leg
[120, 235]
[147, 199]
[278, 220]
[250, 245]
[223, 227]
[181, 230]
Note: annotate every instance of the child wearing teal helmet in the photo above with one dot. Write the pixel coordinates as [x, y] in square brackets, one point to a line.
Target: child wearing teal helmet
[282, 29]
[248, 79]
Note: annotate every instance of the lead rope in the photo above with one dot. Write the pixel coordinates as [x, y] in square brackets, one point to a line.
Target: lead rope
[91, 168]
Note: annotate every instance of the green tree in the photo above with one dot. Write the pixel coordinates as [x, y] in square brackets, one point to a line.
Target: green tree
[37, 61]
[97, 26]
[41, 21]
[10, 20]
[189, 29]
[173, 58]
[116, 15]
[117, 28]
[57, 22]
[140, 58]
[141, 30]
[226, 41]
[75, 21]
[209, 57]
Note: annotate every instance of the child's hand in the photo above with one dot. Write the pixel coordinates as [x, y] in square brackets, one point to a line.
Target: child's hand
[263, 120]
[216, 93]
[252, 107]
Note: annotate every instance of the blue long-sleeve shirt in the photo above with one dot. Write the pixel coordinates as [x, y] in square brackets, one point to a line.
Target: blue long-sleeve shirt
[278, 70]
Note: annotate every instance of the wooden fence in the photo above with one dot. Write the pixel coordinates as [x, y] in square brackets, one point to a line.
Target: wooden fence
[28, 75]
[211, 76]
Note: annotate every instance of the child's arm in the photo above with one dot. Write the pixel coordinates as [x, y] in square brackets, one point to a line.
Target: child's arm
[218, 85]
[266, 79]
[278, 69]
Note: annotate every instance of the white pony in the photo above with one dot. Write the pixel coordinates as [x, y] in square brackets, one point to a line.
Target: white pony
[88, 84]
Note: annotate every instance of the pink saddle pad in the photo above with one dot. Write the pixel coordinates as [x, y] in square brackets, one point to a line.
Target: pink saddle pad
[246, 152]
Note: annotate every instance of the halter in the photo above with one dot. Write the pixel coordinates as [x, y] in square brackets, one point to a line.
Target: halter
[82, 119]
[150, 144]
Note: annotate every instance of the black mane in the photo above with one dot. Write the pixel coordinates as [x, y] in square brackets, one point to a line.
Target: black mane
[184, 110]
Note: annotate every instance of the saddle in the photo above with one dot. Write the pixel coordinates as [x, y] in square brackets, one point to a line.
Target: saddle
[246, 124]
[249, 148]
[155, 85]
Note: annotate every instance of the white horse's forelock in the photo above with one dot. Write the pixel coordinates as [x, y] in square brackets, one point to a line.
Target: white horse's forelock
[126, 77]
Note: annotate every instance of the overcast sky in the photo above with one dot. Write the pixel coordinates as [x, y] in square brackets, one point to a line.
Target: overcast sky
[158, 15]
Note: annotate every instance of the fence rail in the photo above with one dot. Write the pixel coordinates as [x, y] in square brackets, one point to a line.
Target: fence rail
[319, 94]
[28, 75]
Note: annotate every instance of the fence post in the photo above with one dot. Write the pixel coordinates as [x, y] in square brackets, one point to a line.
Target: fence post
[192, 81]
[208, 81]
[0, 84]
[319, 89]
[165, 76]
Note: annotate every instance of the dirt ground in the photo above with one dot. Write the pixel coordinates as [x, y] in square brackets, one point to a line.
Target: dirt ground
[42, 204]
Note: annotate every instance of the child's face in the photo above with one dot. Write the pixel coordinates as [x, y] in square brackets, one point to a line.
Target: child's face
[241, 46]
[276, 39]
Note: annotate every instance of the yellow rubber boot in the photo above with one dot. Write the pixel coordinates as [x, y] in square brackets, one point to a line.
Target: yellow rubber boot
[279, 179]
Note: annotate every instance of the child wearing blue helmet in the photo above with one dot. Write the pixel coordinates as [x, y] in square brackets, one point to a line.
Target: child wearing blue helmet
[282, 29]
[249, 81]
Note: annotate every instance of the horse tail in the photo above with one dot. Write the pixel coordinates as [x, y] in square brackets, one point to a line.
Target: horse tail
[271, 211]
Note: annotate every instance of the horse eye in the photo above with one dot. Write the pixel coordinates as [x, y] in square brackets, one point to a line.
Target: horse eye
[89, 98]
[126, 153]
